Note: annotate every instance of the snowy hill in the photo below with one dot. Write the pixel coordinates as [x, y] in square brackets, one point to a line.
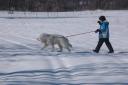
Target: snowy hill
[23, 63]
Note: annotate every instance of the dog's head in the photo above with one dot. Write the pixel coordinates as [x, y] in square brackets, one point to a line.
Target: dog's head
[43, 37]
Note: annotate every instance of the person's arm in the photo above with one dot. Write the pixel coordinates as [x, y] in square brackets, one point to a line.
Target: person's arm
[99, 22]
[97, 30]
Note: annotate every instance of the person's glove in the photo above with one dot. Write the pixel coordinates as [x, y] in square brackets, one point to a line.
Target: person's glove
[99, 22]
[98, 30]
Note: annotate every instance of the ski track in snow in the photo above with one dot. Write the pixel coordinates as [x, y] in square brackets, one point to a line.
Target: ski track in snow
[23, 63]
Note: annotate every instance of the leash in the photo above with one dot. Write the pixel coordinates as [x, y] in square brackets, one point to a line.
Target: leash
[80, 34]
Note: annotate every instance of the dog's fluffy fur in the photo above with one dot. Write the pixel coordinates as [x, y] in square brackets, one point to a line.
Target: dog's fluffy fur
[52, 39]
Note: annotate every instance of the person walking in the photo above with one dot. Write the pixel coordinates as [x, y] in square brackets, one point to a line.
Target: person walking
[103, 35]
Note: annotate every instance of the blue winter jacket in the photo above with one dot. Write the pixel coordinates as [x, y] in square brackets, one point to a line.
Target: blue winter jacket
[104, 29]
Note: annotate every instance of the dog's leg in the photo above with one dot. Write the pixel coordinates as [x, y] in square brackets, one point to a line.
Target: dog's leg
[45, 45]
[61, 48]
[68, 46]
[53, 48]
[68, 49]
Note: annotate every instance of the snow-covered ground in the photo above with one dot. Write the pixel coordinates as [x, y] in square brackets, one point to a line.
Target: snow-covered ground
[23, 63]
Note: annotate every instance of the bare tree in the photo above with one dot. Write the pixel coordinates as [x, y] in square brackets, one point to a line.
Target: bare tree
[61, 5]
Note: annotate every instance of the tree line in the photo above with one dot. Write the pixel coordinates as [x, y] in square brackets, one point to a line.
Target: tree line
[62, 5]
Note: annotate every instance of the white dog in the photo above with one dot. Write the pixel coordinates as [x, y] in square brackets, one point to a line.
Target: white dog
[52, 39]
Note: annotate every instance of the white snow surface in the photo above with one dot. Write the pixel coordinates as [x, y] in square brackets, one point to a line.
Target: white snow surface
[22, 62]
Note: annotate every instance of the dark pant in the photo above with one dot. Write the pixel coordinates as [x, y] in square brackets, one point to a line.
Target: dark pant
[100, 43]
